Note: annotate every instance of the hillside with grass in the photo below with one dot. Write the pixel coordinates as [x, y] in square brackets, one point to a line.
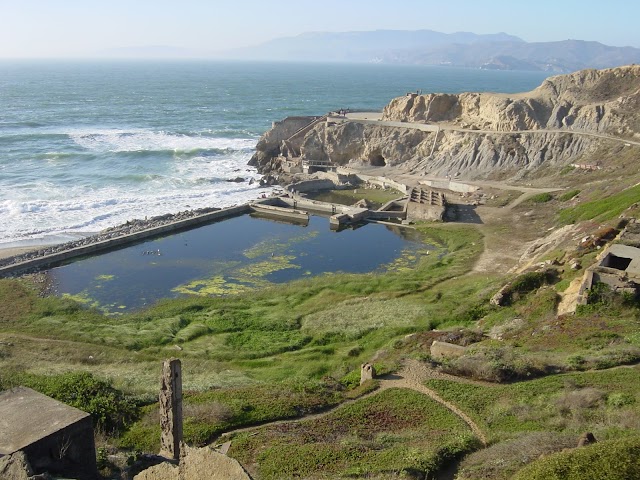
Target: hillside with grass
[276, 371]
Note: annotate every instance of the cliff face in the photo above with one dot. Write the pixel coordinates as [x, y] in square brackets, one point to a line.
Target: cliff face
[469, 155]
[599, 101]
[483, 134]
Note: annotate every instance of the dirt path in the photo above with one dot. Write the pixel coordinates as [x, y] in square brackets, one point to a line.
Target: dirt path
[376, 119]
[412, 376]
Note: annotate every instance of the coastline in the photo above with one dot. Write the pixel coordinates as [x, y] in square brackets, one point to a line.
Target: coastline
[7, 252]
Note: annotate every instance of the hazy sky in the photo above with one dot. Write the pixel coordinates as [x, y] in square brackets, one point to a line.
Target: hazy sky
[72, 28]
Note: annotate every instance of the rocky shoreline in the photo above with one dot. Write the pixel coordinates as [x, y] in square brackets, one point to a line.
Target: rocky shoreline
[132, 226]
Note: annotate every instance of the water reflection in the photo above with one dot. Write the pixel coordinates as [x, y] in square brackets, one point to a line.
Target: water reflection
[228, 257]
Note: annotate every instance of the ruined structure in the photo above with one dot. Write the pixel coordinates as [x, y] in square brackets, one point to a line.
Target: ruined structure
[197, 464]
[171, 409]
[618, 266]
[55, 438]
[367, 372]
[426, 204]
[441, 350]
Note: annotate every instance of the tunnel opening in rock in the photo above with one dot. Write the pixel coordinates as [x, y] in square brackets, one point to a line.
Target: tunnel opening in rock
[377, 160]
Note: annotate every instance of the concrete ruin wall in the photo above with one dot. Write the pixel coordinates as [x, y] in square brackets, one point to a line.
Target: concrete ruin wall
[170, 400]
[420, 211]
[440, 350]
[55, 438]
[367, 372]
[197, 464]
[458, 187]
[284, 129]
[70, 452]
[383, 182]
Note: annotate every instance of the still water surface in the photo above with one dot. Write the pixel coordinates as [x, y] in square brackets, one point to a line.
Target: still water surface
[231, 256]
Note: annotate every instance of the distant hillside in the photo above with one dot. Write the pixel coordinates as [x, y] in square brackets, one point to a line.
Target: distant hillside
[426, 47]
[361, 46]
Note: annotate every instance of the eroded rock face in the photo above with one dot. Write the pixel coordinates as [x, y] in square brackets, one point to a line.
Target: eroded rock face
[468, 155]
[599, 101]
[484, 135]
[379, 146]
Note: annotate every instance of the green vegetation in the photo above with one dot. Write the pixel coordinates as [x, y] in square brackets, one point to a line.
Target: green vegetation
[208, 414]
[602, 209]
[572, 403]
[273, 355]
[110, 409]
[541, 198]
[396, 431]
[611, 460]
[568, 195]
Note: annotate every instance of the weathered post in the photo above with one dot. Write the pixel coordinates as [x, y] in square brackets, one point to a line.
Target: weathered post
[171, 409]
[367, 372]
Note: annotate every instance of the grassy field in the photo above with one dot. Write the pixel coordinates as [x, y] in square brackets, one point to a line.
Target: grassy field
[295, 350]
[398, 432]
[527, 419]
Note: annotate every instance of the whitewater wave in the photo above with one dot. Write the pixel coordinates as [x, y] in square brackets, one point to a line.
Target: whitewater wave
[144, 140]
[93, 211]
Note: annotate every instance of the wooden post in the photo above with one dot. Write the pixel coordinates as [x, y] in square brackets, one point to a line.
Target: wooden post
[171, 409]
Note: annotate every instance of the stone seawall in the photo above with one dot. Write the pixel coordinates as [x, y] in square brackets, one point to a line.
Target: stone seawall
[23, 263]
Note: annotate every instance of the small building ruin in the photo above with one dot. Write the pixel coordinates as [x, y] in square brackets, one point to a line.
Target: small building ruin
[55, 438]
[618, 266]
[426, 204]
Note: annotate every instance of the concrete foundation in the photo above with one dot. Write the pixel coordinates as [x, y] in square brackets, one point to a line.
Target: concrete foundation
[54, 437]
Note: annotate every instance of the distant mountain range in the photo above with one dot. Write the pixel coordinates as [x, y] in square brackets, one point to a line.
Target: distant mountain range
[426, 47]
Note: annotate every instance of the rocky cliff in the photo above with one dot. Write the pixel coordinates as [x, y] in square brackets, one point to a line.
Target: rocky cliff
[598, 101]
[484, 134]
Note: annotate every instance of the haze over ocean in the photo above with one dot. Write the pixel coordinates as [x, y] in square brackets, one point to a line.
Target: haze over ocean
[87, 145]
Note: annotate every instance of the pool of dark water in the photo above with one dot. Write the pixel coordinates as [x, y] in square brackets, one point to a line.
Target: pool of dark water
[231, 256]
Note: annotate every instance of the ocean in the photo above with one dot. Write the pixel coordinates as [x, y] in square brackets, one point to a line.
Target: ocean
[86, 145]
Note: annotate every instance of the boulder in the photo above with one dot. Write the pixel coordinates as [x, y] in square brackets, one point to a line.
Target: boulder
[15, 467]
[197, 464]
[440, 350]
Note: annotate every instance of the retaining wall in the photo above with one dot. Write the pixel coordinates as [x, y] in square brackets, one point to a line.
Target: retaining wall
[113, 243]
[450, 185]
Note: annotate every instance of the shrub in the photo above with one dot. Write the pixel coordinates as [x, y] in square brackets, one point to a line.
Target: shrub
[528, 282]
[505, 458]
[568, 195]
[541, 198]
[620, 399]
[576, 361]
[581, 399]
[495, 365]
[109, 408]
[609, 460]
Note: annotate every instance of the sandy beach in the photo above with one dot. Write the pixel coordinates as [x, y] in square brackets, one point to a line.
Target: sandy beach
[11, 251]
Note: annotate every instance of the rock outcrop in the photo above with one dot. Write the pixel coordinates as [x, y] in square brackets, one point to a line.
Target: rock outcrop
[597, 101]
[197, 464]
[15, 467]
[482, 135]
